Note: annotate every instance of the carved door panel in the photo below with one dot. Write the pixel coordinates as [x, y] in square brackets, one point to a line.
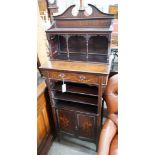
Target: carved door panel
[86, 126]
[66, 121]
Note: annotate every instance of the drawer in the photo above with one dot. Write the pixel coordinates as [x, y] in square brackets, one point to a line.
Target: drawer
[75, 77]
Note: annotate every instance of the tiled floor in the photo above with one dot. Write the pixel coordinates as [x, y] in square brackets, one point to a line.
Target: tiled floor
[72, 146]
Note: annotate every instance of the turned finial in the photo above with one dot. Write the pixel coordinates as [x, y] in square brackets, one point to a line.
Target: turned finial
[81, 5]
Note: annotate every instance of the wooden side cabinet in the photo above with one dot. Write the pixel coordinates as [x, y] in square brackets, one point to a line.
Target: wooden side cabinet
[79, 47]
[77, 111]
[44, 132]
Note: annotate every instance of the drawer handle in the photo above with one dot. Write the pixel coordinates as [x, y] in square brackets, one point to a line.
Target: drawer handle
[82, 77]
[61, 75]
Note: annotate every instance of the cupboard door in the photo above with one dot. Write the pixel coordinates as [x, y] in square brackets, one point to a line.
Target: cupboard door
[66, 121]
[86, 126]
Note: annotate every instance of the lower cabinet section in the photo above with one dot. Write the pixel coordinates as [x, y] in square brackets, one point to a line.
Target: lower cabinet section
[77, 111]
[77, 124]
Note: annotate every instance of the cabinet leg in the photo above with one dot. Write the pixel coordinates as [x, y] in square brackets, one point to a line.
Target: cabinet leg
[96, 147]
[58, 136]
[58, 139]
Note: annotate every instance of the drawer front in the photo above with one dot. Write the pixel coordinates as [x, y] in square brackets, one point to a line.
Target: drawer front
[75, 77]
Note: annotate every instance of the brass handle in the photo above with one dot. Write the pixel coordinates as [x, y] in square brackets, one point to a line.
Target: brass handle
[82, 77]
[61, 75]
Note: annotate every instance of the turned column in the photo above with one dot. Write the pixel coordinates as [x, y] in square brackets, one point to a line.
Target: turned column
[87, 43]
[67, 38]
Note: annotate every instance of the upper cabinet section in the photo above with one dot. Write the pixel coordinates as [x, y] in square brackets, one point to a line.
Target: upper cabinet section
[80, 37]
[96, 19]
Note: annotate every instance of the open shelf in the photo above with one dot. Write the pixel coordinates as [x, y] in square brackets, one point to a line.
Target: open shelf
[79, 48]
[102, 58]
[76, 107]
[77, 88]
[91, 100]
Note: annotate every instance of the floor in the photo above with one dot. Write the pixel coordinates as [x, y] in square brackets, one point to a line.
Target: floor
[72, 146]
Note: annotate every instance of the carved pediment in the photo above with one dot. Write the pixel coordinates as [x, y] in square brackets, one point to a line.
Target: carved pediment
[95, 13]
[96, 19]
[66, 14]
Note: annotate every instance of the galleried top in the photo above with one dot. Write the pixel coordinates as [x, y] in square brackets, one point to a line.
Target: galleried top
[82, 37]
[96, 19]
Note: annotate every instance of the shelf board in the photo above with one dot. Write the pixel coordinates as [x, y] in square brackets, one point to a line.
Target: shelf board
[77, 88]
[76, 30]
[91, 100]
[76, 107]
[77, 66]
[99, 53]
[98, 58]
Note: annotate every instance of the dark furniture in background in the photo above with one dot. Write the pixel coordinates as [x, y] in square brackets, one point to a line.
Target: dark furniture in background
[79, 54]
[114, 63]
[52, 7]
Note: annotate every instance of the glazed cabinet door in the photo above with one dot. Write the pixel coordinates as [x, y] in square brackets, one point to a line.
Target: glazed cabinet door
[86, 126]
[66, 121]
